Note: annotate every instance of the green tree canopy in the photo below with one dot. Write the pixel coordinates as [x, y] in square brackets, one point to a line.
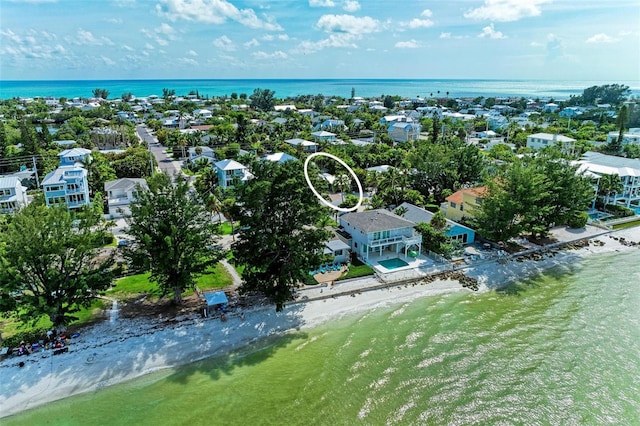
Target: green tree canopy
[50, 264]
[277, 245]
[174, 236]
[263, 99]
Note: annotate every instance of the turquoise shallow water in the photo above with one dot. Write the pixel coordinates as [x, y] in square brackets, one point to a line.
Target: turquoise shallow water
[562, 348]
[294, 87]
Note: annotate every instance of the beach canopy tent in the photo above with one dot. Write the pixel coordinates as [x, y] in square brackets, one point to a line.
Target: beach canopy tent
[216, 298]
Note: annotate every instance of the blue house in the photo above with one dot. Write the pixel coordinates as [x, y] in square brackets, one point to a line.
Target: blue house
[377, 234]
[69, 157]
[66, 185]
[230, 172]
[455, 231]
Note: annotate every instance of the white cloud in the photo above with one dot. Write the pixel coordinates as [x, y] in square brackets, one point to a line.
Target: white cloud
[161, 35]
[127, 47]
[107, 61]
[148, 46]
[192, 53]
[84, 37]
[321, 3]
[426, 13]
[351, 5]
[555, 47]
[116, 21]
[490, 32]
[188, 61]
[445, 35]
[224, 43]
[601, 38]
[334, 40]
[19, 47]
[283, 37]
[278, 54]
[411, 44]
[506, 10]
[348, 24]
[419, 23]
[213, 12]
[252, 43]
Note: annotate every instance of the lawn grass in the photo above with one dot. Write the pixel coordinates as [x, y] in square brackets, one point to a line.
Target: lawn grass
[226, 228]
[626, 225]
[356, 271]
[12, 325]
[215, 277]
[232, 262]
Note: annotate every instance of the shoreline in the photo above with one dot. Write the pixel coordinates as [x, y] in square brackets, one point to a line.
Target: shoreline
[111, 353]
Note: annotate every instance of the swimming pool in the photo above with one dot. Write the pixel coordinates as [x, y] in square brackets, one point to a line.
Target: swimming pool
[393, 263]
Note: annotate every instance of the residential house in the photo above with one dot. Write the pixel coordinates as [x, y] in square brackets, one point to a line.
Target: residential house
[455, 231]
[462, 203]
[324, 136]
[404, 131]
[279, 157]
[378, 233]
[628, 169]
[303, 145]
[283, 108]
[339, 251]
[203, 113]
[66, 185]
[13, 195]
[120, 193]
[230, 172]
[196, 153]
[538, 141]
[632, 137]
[70, 157]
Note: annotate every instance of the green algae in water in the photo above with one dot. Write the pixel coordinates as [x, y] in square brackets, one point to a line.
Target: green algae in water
[561, 348]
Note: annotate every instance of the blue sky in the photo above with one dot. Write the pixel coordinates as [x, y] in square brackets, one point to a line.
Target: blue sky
[485, 39]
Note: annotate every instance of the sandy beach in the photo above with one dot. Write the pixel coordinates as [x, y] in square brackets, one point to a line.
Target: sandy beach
[122, 349]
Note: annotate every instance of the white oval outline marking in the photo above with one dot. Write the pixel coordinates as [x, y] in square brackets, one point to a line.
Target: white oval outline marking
[349, 169]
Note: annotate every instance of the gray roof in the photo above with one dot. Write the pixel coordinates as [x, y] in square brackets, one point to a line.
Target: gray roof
[418, 214]
[335, 245]
[376, 220]
[56, 177]
[9, 182]
[125, 183]
[610, 160]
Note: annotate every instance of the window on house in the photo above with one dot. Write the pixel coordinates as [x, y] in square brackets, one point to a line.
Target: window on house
[461, 207]
[452, 204]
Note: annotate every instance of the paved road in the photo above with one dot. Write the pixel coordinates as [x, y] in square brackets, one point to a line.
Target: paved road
[165, 163]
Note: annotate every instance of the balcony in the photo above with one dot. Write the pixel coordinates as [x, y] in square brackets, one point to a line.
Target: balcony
[414, 239]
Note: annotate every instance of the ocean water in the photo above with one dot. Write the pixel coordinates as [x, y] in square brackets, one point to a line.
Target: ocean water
[561, 348]
[284, 88]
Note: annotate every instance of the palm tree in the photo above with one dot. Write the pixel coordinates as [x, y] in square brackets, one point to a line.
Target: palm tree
[343, 183]
[609, 186]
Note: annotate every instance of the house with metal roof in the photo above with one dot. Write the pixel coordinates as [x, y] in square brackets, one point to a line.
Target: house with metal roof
[66, 185]
[230, 172]
[13, 195]
[120, 193]
[455, 231]
[597, 165]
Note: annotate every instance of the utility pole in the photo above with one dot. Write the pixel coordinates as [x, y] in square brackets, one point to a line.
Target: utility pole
[151, 162]
[35, 169]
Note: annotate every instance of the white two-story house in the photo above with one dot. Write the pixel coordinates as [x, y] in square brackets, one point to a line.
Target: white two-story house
[120, 193]
[538, 141]
[628, 169]
[380, 233]
[13, 195]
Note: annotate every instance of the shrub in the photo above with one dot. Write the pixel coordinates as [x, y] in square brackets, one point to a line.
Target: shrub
[32, 336]
[578, 220]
